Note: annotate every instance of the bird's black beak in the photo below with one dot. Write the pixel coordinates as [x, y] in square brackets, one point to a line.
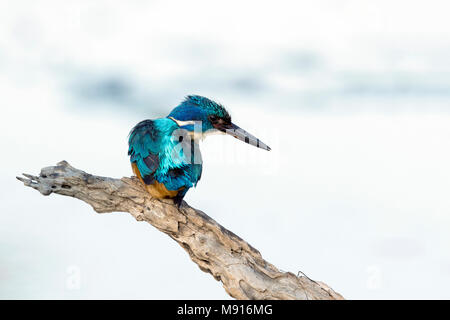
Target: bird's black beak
[241, 134]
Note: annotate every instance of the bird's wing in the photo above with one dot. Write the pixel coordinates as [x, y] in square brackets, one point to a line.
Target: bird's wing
[143, 149]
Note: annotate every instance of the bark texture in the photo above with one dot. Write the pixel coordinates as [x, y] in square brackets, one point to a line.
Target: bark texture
[216, 250]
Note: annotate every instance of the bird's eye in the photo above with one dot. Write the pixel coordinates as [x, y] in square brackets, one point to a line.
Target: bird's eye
[213, 118]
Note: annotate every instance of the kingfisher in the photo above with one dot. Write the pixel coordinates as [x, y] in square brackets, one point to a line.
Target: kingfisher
[164, 152]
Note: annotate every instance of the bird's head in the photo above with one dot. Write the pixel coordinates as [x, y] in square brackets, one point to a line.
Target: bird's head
[202, 114]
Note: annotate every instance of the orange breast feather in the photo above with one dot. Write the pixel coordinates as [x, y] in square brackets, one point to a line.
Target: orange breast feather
[156, 189]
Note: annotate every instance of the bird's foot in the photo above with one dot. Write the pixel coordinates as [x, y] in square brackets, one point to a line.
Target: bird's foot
[179, 202]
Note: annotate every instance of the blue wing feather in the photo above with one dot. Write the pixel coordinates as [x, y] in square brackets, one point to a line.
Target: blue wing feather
[151, 147]
[143, 148]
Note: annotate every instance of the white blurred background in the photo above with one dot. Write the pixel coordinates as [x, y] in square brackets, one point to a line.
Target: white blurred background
[352, 96]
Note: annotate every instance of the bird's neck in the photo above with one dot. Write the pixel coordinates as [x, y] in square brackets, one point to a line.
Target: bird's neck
[194, 128]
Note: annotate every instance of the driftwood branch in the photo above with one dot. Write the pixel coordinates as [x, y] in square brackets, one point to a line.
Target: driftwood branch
[229, 259]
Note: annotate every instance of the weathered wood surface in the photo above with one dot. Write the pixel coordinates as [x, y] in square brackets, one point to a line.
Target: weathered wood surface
[229, 259]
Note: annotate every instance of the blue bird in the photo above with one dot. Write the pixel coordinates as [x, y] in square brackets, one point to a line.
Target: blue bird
[164, 153]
